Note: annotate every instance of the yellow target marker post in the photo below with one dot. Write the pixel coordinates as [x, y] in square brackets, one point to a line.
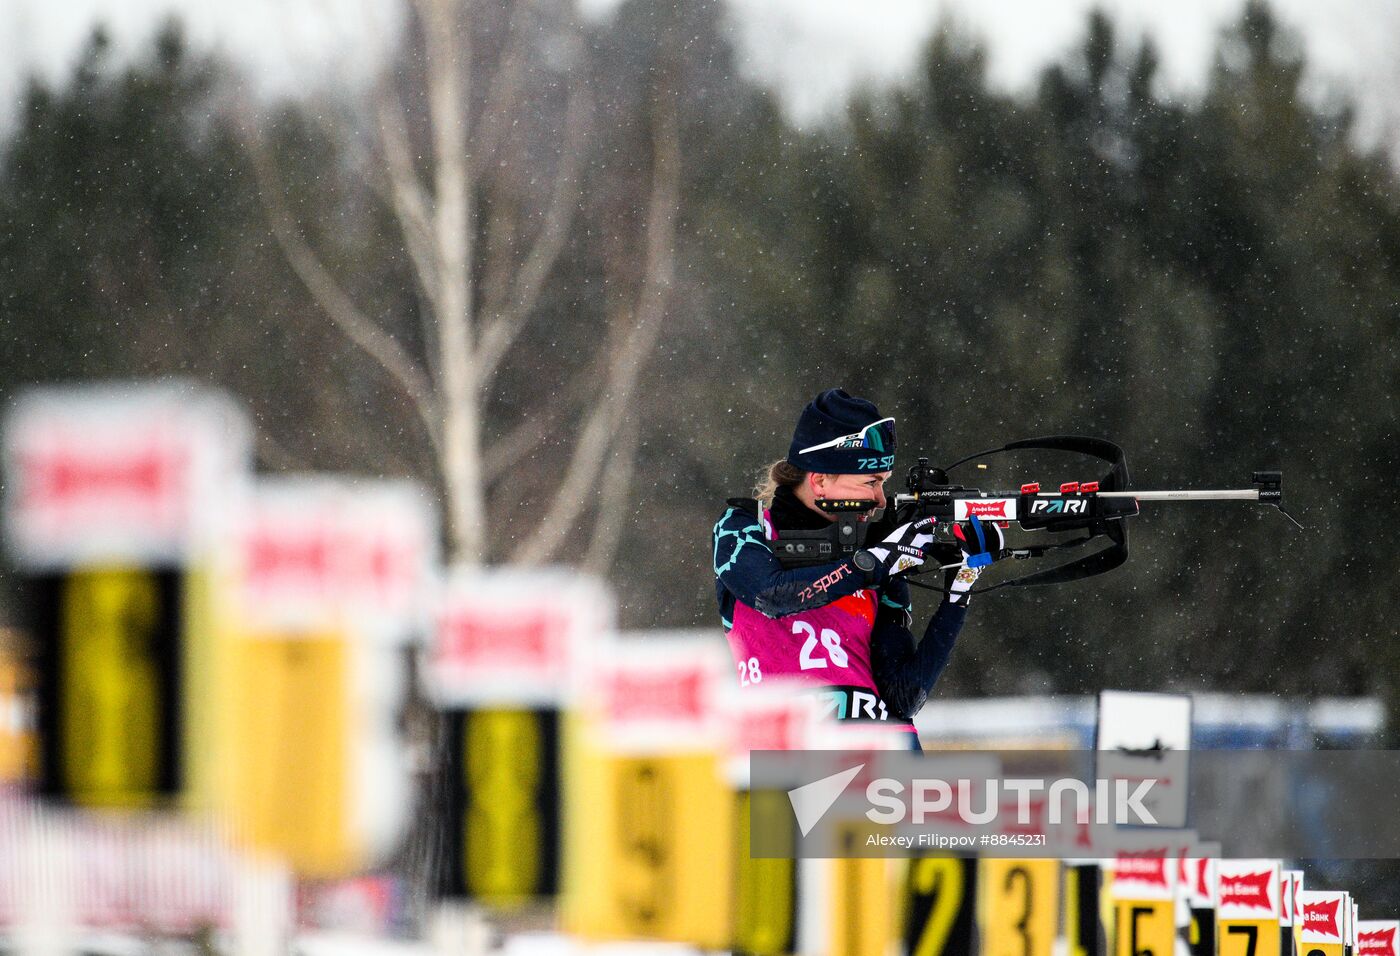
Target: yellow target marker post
[648, 808]
[291, 772]
[1019, 901]
[997, 905]
[1290, 882]
[325, 581]
[838, 898]
[945, 909]
[766, 912]
[644, 860]
[1249, 900]
[851, 901]
[1122, 892]
[115, 688]
[1321, 922]
[1143, 891]
[766, 891]
[859, 897]
[503, 805]
[1087, 913]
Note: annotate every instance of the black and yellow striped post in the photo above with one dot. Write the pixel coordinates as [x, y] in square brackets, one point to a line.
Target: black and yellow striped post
[501, 667]
[1198, 876]
[503, 805]
[110, 643]
[1084, 929]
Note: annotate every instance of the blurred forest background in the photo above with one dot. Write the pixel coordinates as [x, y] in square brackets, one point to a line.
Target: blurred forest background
[1214, 284]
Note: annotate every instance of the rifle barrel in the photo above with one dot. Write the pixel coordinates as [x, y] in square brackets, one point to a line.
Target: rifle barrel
[1234, 494]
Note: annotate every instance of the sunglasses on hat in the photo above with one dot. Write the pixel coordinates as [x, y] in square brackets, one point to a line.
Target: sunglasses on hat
[878, 436]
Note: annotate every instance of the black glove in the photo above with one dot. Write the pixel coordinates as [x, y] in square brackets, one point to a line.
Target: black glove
[982, 543]
[902, 551]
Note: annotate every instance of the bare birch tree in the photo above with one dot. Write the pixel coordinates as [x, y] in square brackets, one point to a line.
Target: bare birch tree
[480, 275]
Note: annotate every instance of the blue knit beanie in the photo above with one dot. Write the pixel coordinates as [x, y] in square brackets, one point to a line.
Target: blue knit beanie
[832, 437]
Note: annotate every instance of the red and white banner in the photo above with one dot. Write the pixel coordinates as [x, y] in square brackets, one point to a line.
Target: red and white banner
[1377, 937]
[1146, 874]
[140, 474]
[765, 718]
[318, 552]
[660, 692]
[1248, 889]
[1322, 916]
[515, 636]
[992, 509]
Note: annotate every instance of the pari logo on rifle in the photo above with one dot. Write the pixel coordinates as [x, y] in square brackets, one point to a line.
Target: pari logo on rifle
[1056, 506]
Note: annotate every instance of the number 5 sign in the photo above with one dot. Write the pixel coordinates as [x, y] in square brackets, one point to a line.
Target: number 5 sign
[1144, 895]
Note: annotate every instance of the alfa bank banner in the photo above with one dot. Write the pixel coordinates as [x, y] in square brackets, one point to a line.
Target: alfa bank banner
[136, 473]
[1248, 889]
[1377, 937]
[1322, 916]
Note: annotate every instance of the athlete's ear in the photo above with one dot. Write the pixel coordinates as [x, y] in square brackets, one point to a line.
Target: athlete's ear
[817, 482]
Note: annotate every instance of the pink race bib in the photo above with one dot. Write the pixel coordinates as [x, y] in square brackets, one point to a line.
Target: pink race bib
[826, 647]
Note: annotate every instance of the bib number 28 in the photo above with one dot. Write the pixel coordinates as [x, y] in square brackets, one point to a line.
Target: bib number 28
[829, 640]
[749, 672]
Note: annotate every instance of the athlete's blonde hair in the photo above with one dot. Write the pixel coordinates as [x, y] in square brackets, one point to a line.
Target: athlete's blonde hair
[780, 474]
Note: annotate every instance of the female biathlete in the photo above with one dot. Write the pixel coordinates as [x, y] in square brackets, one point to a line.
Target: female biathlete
[841, 627]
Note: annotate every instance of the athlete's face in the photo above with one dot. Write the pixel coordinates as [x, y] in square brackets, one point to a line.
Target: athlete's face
[869, 487]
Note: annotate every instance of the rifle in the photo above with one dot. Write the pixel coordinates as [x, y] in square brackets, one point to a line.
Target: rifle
[1097, 508]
